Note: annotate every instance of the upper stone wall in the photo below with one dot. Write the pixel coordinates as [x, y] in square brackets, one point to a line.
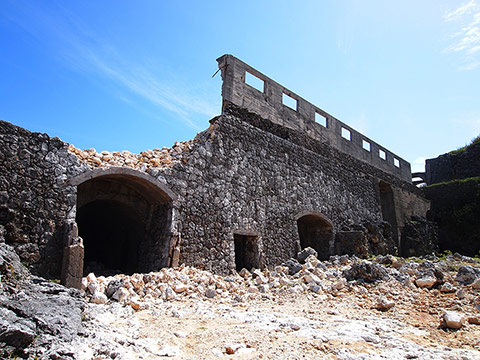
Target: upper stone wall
[461, 164]
[269, 103]
[37, 205]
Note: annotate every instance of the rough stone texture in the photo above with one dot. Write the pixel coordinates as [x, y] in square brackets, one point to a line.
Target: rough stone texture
[367, 238]
[419, 237]
[246, 175]
[305, 253]
[293, 266]
[456, 165]
[365, 271]
[34, 310]
[36, 202]
[453, 320]
[454, 191]
[467, 275]
[456, 210]
[264, 180]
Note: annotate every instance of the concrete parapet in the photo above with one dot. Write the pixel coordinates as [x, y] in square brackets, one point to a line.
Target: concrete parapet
[272, 101]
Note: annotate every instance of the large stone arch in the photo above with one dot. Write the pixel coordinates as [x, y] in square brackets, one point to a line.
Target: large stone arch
[388, 207]
[125, 219]
[315, 230]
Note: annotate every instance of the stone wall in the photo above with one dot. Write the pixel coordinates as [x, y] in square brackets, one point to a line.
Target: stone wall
[245, 177]
[456, 210]
[248, 174]
[454, 191]
[460, 164]
[36, 202]
[271, 100]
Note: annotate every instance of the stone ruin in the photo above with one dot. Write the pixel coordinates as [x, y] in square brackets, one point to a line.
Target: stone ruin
[271, 175]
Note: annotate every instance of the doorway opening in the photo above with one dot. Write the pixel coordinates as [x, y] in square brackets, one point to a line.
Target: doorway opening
[247, 252]
[125, 221]
[112, 233]
[387, 205]
[316, 231]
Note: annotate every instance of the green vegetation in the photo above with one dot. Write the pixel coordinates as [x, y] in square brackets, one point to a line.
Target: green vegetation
[462, 149]
[443, 256]
[456, 181]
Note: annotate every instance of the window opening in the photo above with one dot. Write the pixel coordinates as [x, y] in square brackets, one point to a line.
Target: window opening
[254, 81]
[346, 134]
[366, 145]
[382, 155]
[246, 252]
[320, 119]
[289, 101]
[317, 233]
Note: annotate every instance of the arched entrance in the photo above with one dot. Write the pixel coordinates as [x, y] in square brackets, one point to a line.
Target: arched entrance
[387, 205]
[112, 232]
[316, 231]
[125, 220]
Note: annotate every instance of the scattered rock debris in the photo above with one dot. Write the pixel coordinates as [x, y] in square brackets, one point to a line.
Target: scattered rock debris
[164, 157]
[343, 308]
[378, 312]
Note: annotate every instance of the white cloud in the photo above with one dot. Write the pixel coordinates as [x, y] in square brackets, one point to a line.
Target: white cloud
[466, 40]
[461, 11]
[83, 51]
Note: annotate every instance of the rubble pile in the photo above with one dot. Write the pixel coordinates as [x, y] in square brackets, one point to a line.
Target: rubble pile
[429, 297]
[164, 157]
[38, 318]
[342, 308]
[340, 273]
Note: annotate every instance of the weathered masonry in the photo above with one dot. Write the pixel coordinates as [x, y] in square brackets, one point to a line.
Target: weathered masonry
[262, 182]
[265, 97]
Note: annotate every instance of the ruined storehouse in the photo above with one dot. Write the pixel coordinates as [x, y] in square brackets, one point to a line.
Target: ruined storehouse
[264, 180]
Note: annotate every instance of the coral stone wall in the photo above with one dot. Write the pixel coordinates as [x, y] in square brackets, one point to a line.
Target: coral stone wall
[36, 202]
[460, 164]
[249, 175]
[245, 177]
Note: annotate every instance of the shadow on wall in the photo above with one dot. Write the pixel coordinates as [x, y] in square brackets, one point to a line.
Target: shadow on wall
[112, 232]
[387, 204]
[125, 222]
[316, 231]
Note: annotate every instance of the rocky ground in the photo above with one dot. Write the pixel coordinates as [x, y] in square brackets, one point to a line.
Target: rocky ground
[344, 308]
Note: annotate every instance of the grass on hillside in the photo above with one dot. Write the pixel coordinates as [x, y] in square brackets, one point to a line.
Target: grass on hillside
[475, 178]
[462, 149]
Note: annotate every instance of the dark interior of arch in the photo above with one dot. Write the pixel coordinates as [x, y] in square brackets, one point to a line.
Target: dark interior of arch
[124, 226]
[388, 206]
[111, 233]
[246, 252]
[316, 233]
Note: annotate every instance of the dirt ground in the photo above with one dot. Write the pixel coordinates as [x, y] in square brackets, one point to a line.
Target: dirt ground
[285, 323]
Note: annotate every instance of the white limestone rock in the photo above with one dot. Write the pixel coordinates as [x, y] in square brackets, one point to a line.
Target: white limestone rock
[99, 298]
[453, 320]
[448, 288]
[426, 281]
[383, 304]
[120, 295]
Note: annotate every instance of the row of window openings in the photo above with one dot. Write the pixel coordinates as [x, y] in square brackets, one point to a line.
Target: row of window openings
[346, 134]
[289, 101]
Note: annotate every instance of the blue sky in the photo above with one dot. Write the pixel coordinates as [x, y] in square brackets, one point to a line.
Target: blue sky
[115, 75]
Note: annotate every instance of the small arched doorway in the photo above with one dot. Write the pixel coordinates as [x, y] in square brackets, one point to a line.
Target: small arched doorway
[387, 204]
[315, 230]
[125, 220]
[112, 232]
